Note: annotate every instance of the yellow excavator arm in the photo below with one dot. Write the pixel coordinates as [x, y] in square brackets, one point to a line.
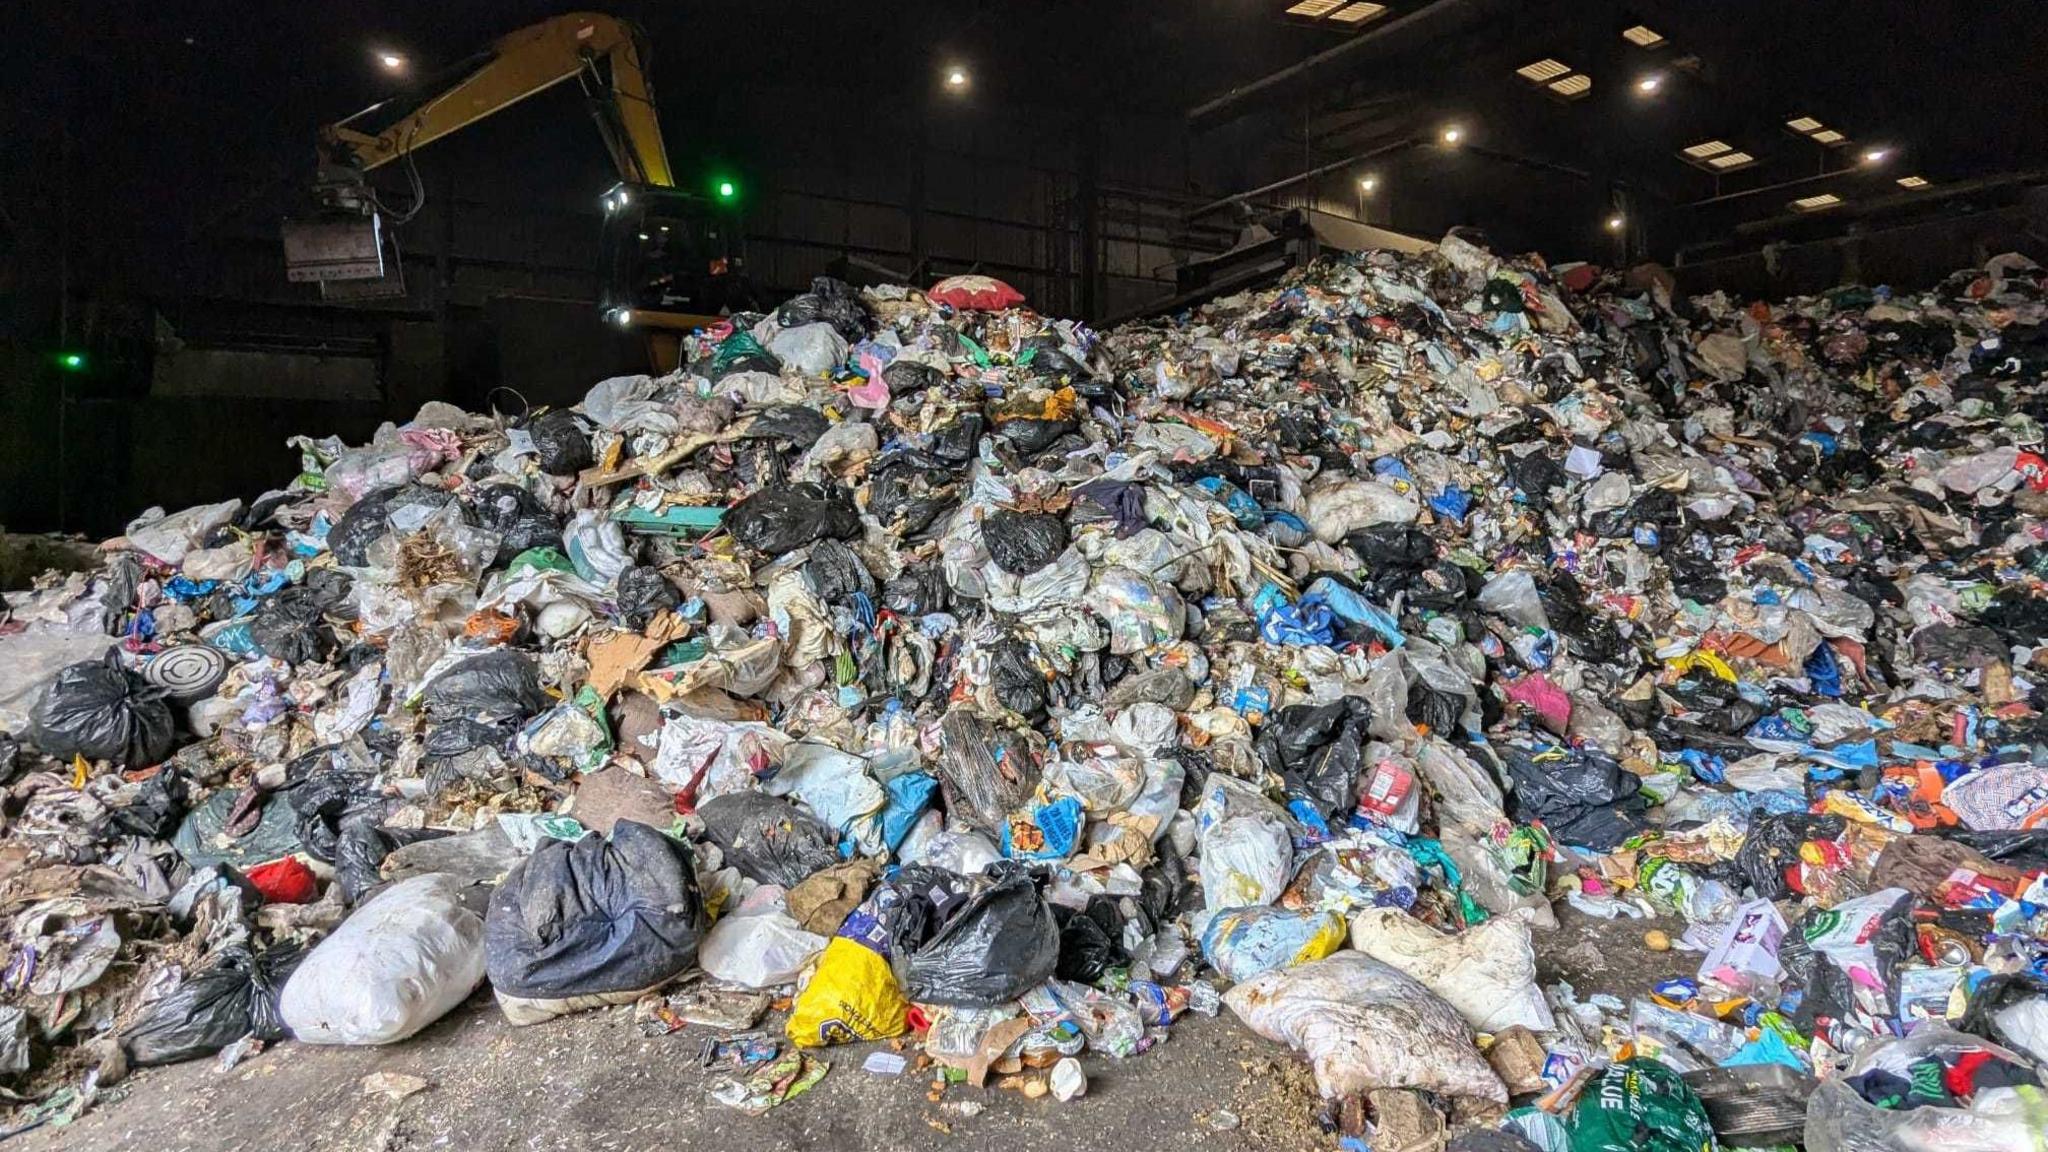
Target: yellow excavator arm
[519, 65]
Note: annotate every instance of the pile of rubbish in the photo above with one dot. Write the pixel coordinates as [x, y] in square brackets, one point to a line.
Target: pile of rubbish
[1006, 690]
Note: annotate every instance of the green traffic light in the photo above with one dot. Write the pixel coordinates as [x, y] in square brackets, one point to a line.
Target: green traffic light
[726, 190]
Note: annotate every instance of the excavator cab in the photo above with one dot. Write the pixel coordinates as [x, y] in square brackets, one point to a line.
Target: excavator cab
[671, 259]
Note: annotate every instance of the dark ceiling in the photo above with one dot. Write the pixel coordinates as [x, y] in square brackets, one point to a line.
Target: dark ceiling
[180, 109]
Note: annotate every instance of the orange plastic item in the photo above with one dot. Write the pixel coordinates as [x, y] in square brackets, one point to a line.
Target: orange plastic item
[491, 627]
[286, 881]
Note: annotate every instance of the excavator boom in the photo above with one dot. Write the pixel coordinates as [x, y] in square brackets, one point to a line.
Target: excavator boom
[521, 64]
[668, 262]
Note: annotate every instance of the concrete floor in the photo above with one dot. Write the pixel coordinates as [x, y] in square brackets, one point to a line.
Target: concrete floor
[593, 1082]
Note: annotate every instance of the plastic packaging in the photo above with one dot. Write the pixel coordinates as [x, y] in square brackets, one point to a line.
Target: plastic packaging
[1246, 860]
[758, 948]
[1245, 942]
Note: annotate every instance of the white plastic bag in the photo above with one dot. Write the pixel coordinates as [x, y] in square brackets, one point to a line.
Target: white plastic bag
[837, 788]
[1364, 1025]
[1337, 510]
[1487, 973]
[596, 546]
[758, 948]
[812, 349]
[169, 538]
[964, 852]
[401, 962]
[1245, 861]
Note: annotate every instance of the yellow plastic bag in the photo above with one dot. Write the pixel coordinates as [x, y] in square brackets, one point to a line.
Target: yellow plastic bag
[852, 997]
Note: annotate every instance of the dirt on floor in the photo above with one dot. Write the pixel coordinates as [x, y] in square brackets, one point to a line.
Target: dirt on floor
[592, 1082]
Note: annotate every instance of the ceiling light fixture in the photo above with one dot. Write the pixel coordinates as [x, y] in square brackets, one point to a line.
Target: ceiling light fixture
[956, 77]
[1359, 13]
[1829, 137]
[1649, 84]
[1912, 182]
[1543, 71]
[1452, 134]
[1728, 161]
[1572, 87]
[1876, 155]
[1315, 9]
[1706, 148]
[1804, 125]
[1816, 203]
[1614, 223]
[1367, 184]
[1642, 37]
[391, 61]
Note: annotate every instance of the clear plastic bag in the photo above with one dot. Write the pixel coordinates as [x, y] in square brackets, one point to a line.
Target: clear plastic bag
[1999, 1120]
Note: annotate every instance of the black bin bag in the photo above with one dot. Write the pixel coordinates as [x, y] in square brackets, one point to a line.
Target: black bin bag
[1021, 543]
[781, 520]
[101, 711]
[491, 687]
[561, 445]
[233, 997]
[1001, 944]
[1318, 750]
[767, 838]
[595, 916]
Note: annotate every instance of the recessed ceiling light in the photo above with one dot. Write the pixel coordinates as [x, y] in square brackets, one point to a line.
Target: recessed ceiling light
[1706, 148]
[1912, 182]
[1829, 137]
[1816, 203]
[1359, 14]
[1803, 125]
[1315, 9]
[1543, 71]
[1642, 37]
[1649, 83]
[1731, 160]
[1572, 87]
